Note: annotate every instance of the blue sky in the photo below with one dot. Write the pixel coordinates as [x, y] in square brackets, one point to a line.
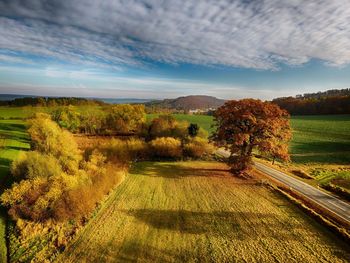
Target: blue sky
[166, 49]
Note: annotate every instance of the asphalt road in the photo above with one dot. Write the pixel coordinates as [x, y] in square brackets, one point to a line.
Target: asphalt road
[327, 201]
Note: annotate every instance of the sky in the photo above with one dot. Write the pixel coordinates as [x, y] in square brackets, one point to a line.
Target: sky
[157, 49]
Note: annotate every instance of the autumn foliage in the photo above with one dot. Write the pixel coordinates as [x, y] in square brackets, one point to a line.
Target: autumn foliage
[249, 124]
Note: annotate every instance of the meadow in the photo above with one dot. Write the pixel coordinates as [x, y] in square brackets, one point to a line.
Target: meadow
[13, 140]
[197, 212]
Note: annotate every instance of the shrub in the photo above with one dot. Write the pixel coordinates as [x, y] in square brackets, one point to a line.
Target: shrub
[80, 202]
[168, 126]
[166, 147]
[123, 151]
[34, 164]
[198, 147]
[35, 198]
[48, 138]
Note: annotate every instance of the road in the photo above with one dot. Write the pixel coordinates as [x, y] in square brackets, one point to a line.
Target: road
[327, 201]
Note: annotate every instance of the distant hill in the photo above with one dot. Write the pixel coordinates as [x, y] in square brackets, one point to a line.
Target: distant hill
[188, 103]
[124, 100]
[7, 97]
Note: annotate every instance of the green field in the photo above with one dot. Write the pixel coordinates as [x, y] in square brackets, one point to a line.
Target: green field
[14, 140]
[321, 139]
[12, 112]
[198, 212]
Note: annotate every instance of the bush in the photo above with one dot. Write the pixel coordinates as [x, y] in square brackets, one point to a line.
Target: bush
[168, 126]
[48, 138]
[198, 148]
[123, 151]
[34, 164]
[35, 198]
[166, 147]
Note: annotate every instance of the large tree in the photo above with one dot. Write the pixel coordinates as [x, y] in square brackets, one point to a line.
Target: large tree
[249, 124]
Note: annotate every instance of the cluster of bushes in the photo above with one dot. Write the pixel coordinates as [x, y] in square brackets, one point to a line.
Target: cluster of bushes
[163, 137]
[136, 149]
[54, 181]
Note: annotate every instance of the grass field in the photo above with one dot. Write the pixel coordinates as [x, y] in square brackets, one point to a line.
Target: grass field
[14, 140]
[324, 139]
[198, 212]
[12, 112]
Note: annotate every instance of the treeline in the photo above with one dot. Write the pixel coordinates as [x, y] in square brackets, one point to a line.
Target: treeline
[324, 94]
[50, 102]
[121, 119]
[316, 104]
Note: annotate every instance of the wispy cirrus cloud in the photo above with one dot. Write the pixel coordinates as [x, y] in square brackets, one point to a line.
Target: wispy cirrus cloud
[247, 34]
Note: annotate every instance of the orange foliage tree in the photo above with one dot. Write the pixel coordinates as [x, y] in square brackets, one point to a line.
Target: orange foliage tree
[249, 124]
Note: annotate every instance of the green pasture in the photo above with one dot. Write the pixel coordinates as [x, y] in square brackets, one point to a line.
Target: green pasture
[13, 140]
[321, 139]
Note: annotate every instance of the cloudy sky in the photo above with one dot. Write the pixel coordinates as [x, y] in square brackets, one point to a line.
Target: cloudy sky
[168, 48]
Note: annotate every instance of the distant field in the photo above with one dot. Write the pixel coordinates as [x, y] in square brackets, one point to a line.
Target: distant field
[14, 140]
[198, 212]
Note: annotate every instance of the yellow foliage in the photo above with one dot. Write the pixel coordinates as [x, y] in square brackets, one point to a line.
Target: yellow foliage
[198, 147]
[166, 147]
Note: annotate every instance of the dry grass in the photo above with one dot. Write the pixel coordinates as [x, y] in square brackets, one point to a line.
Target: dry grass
[197, 212]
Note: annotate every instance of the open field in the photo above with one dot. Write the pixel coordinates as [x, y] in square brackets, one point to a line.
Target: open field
[323, 139]
[12, 112]
[14, 140]
[197, 212]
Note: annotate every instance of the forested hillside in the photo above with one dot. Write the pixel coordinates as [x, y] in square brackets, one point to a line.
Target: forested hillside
[320, 103]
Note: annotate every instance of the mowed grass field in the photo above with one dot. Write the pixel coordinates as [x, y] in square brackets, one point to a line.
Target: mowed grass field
[13, 140]
[198, 212]
[323, 139]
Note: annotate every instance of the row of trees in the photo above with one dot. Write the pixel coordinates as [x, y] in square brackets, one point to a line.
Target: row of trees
[50, 102]
[123, 119]
[312, 105]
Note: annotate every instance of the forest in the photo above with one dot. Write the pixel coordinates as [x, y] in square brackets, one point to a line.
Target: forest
[320, 103]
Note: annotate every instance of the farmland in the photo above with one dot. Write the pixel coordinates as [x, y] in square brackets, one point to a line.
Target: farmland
[14, 140]
[196, 211]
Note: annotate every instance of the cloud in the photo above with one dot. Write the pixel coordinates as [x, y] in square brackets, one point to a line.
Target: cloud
[248, 34]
